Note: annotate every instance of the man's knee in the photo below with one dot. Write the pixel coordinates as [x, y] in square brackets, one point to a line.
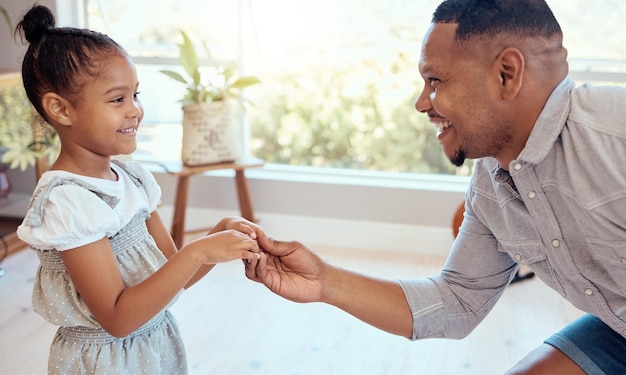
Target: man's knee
[547, 360]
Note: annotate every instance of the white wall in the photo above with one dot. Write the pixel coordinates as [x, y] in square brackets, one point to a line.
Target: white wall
[399, 218]
[13, 50]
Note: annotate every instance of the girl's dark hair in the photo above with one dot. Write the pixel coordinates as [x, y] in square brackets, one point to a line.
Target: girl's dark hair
[57, 58]
[479, 18]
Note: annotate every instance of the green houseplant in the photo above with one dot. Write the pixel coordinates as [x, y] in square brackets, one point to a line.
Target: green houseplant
[209, 132]
[28, 143]
[25, 138]
[220, 85]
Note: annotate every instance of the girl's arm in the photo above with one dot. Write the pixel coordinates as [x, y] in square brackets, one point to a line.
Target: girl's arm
[166, 244]
[121, 310]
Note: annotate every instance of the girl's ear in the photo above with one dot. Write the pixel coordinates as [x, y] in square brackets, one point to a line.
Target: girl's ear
[511, 70]
[57, 108]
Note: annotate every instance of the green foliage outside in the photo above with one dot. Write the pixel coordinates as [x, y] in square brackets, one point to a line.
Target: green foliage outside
[321, 119]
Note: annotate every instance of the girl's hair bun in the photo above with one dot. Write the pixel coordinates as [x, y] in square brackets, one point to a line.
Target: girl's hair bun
[36, 23]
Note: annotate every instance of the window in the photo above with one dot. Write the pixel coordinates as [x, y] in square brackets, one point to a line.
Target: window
[339, 77]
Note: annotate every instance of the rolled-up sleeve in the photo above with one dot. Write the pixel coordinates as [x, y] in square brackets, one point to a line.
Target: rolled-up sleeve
[453, 303]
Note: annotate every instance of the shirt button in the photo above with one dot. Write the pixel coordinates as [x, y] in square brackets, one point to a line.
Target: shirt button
[517, 166]
[518, 257]
[588, 291]
[531, 194]
[556, 243]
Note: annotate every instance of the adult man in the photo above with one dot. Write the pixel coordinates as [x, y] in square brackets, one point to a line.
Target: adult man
[547, 192]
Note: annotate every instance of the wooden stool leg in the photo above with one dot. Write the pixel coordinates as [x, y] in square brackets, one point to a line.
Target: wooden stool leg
[180, 208]
[245, 203]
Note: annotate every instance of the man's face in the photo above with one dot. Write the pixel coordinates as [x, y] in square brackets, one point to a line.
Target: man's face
[460, 96]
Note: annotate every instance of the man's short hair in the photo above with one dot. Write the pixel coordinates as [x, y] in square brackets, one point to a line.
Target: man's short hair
[487, 18]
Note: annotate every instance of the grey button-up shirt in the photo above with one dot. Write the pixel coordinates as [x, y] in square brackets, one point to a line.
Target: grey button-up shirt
[559, 209]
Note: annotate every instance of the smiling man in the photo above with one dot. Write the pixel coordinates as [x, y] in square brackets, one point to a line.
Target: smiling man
[548, 192]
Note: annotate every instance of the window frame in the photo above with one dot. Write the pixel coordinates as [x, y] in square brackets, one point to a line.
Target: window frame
[74, 12]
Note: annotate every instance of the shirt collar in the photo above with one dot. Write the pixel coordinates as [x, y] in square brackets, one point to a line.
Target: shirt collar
[549, 124]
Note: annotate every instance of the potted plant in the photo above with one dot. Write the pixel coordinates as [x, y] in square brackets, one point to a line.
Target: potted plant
[209, 132]
[26, 139]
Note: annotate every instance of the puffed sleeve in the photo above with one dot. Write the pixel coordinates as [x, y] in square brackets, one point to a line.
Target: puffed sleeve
[153, 190]
[72, 216]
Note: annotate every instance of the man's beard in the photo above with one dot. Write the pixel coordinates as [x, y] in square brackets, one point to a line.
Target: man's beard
[458, 158]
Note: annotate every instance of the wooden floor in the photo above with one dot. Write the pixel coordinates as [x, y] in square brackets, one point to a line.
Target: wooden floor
[232, 326]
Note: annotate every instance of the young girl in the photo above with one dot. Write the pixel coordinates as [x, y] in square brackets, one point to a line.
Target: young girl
[109, 268]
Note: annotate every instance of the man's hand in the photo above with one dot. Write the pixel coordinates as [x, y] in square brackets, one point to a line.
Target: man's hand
[294, 272]
[288, 269]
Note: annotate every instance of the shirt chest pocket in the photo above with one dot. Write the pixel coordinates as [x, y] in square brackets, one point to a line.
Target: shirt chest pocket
[533, 255]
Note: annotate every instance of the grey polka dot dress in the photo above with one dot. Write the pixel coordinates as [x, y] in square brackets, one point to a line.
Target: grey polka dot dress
[68, 211]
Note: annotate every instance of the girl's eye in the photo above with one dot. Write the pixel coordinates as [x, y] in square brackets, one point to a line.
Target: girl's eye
[118, 100]
[136, 95]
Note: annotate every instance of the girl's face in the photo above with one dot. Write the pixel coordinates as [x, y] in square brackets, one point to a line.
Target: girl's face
[107, 112]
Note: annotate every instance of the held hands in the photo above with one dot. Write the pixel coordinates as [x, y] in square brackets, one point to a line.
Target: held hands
[227, 245]
[232, 238]
[240, 224]
[288, 269]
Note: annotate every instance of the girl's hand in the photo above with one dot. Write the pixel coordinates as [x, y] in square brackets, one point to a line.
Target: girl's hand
[227, 245]
[240, 224]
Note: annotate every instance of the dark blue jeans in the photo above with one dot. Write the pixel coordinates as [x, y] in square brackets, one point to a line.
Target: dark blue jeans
[594, 346]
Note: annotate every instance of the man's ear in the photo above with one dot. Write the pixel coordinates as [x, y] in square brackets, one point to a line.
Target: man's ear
[511, 69]
[57, 108]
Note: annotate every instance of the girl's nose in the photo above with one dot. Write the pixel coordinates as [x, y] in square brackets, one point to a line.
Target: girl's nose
[137, 109]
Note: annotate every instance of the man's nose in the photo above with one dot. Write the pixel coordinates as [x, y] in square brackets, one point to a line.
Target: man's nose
[423, 103]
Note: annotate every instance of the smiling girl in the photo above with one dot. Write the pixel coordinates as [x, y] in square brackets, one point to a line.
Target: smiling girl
[108, 266]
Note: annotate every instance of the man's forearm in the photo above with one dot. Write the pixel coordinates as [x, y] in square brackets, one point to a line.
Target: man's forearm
[378, 302]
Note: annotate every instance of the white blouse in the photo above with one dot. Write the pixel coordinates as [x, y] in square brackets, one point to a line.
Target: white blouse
[73, 216]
